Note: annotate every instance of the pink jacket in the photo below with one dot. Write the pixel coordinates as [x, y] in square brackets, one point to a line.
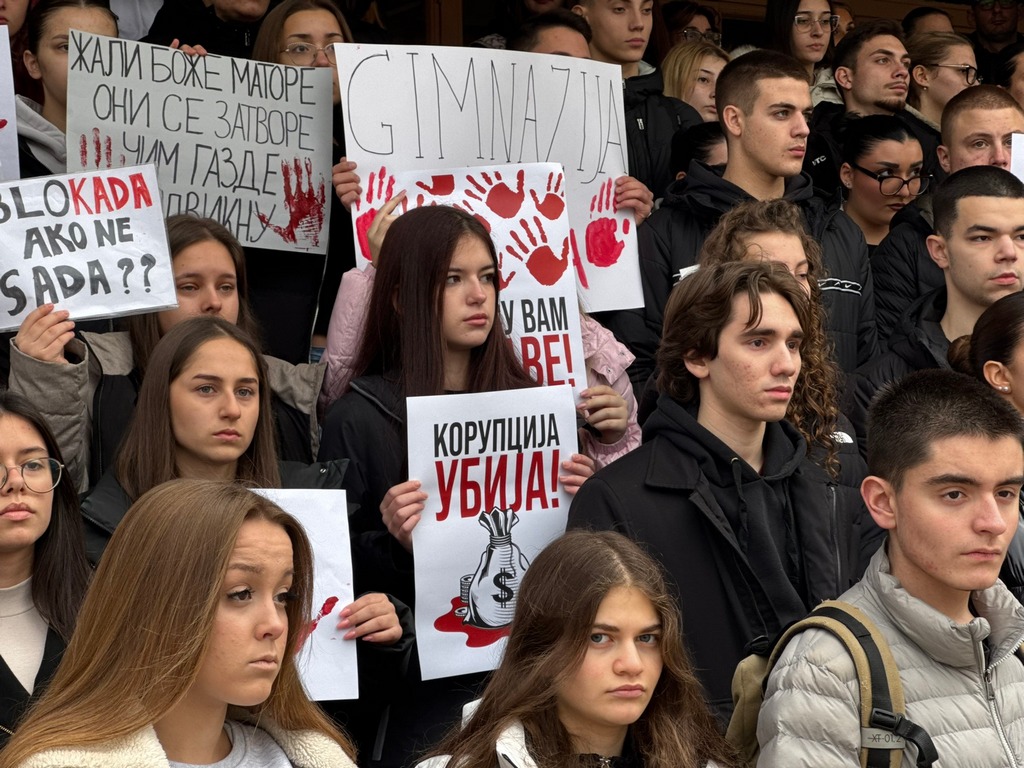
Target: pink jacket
[606, 359]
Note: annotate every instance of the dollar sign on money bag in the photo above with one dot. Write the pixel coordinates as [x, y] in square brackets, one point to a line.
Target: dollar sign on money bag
[492, 593]
[501, 579]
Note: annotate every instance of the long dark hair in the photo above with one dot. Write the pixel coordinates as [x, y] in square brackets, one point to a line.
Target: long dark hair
[146, 457]
[183, 231]
[558, 601]
[403, 324]
[60, 572]
[779, 16]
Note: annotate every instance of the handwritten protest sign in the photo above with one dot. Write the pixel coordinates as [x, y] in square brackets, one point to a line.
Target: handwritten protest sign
[494, 501]
[327, 662]
[449, 107]
[539, 307]
[244, 142]
[9, 168]
[92, 243]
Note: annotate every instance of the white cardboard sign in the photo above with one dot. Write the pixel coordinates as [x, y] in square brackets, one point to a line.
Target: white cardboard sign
[326, 662]
[93, 243]
[421, 107]
[494, 502]
[9, 167]
[246, 143]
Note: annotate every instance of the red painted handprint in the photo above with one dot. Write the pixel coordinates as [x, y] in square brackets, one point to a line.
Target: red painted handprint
[102, 151]
[540, 260]
[440, 186]
[498, 195]
[371, 202]
[602, 237]
[552, 205]
[305, 204]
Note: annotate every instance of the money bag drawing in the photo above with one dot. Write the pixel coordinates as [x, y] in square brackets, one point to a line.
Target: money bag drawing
[491, 598]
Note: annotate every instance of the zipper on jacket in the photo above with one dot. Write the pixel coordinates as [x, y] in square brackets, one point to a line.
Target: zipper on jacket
[8, 731]
[832, 491]
[990, 695]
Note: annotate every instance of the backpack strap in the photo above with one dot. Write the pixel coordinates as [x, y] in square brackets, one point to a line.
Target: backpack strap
[884, 728]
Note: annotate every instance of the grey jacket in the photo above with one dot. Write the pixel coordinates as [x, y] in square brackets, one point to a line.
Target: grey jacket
[971, 704]
[65, 392]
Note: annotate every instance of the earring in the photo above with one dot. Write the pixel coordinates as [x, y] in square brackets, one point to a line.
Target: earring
[1004, 388]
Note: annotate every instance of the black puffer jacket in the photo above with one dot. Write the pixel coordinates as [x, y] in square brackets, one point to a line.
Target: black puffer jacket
[901, 266]
[745, 552]
[674, 234]
[918, 343]
[652, 119]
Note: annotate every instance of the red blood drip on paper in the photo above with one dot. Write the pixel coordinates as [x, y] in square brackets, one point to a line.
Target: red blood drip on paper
[475, 636]
[325, 610]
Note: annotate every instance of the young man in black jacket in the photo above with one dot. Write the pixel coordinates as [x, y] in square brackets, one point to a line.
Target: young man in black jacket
[763, 98]
[621, 31]
[979, 247]
[751, 533]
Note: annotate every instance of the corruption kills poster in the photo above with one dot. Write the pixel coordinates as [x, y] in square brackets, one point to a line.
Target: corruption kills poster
[494, 501]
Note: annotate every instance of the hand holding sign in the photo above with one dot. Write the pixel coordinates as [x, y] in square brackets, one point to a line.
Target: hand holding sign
[380, 189]
[401, 510]
[371, 618]
[44, 332]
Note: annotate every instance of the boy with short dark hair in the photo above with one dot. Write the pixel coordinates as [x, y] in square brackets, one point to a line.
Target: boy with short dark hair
[947, 464]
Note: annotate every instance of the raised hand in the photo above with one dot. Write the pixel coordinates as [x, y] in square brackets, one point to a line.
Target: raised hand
[305, 204]
[497, 195]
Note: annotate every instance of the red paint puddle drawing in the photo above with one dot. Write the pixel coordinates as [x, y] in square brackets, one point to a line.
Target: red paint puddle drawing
[325, 610]
[475, 637]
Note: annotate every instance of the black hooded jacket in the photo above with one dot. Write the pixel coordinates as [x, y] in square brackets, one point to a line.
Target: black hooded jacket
[652, 119]
[917, 343]
[746, 552]
[671, 240]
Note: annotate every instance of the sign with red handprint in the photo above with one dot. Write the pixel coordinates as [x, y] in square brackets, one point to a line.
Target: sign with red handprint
[493, 502]
[326, 661]
[9, 166]
[452, 109]
[246, 143]
[523, 208]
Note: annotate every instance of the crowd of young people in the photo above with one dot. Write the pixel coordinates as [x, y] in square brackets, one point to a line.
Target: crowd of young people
[820, 223]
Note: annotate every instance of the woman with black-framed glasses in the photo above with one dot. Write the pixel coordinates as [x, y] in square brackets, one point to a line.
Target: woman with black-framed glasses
[943, 64]
[882, 171]
[803, 29]
[43, 570]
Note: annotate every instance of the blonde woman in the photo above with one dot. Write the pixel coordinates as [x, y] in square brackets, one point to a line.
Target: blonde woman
[691, 71]
[185, 647]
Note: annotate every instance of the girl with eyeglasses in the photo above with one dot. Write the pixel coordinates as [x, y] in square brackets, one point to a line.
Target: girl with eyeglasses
[43, 570]
[803, 29]
[882, 172]
[688, 22]
[294, 305]
[943, 64]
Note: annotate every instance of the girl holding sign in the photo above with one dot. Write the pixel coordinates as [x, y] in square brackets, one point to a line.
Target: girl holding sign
[87, 385]
[43, 571]
[41, 142]
[185, 646]
[594, 672]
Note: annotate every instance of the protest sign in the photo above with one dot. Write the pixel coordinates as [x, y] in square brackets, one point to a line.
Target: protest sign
[92, 243]
[449, 107]
[539, 308]
[326, 662]
[9, 167]
[244, 142]
[494, 501]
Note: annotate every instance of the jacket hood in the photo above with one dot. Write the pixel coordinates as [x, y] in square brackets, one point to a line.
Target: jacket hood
[44, 138]
[636, 89]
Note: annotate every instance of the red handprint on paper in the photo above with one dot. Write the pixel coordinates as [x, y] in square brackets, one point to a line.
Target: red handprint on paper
[372, 201]
[552, 205]
[440, 186]
[499, 196]
[602, 237]
[540, 260]
[581, 273]
[305, 204]
[102, 151]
